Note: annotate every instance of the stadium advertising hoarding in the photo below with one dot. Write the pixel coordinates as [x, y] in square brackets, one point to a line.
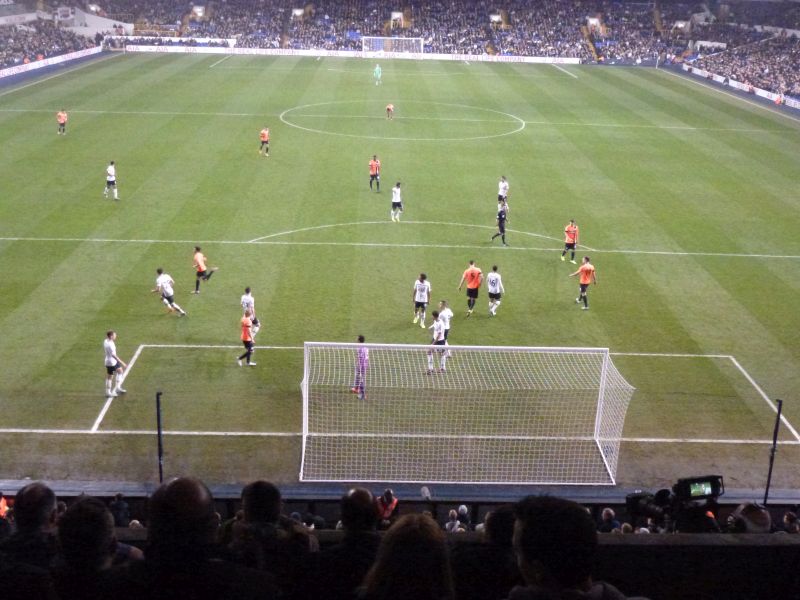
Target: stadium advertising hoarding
[772, 96]
[46, 62]
[351, 54]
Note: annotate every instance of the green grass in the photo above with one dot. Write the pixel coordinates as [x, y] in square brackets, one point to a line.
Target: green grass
[643, 160]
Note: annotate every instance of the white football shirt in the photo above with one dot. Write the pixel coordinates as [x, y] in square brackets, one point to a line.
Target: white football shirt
[396, 194]
[110, 348]
[111, 173]
[502, 188]
[248, 302]
[164, 283]
[422, 291]
[438, 330]
[445, 316]
[494, 283]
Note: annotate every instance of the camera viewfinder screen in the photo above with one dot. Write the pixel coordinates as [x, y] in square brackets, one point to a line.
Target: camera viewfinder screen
[700, 488]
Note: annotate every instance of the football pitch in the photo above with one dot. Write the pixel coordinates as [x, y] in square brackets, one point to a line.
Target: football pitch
[687, 200]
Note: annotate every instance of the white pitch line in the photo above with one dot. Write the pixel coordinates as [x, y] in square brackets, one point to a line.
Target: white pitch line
[691, 79]
[437, 223]
[766, 398]
[666, 127]
[166, 113]
[670, 355]
[221, 60]
[158, 113]
[152, 432]
[219, 346]
[66, 72]
[122, 379]
[382, 118]
[704, 441]
[266, 242]
[292, 434]
[563, 70]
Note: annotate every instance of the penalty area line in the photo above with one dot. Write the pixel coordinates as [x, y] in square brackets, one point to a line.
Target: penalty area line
[122, 379]
[297, 434]
[766, 398]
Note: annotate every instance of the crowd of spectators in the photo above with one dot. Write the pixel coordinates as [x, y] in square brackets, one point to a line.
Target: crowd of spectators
[36, 40]
[773, 65]
[540, 547]
[548, 28]
[774, 14]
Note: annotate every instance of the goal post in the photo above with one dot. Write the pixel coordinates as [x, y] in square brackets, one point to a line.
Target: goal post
[374, 46]
[494, 415]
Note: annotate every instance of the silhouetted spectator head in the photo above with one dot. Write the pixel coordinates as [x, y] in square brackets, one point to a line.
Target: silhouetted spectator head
[750, 518]
[35, 508]
[790, 522]
[412, 562]
[388, 495]
[358, 510]
[182, 514]
[261, 502]
[499, 526]
[555, 541]
[86, 534]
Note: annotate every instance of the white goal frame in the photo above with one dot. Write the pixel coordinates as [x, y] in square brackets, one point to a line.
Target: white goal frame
[372, 46]
[584, 452]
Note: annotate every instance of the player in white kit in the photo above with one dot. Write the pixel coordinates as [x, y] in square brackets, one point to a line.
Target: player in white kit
[494, 283]
[111, 180]
[249, 303]
[445, 314]
[438, 340]
[115, 366]
[397, 203]
[421, 295]
[165, 285]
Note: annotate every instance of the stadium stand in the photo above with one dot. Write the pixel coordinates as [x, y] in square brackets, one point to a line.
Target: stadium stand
[37, 40]
[251, 548]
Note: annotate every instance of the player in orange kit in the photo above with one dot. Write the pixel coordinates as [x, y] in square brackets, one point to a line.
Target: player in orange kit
[264, 136]
[375, 172]
[390, 111]
[61, 117]
[587, 277]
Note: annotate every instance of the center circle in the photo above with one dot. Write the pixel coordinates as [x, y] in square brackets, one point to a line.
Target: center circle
[513, 120]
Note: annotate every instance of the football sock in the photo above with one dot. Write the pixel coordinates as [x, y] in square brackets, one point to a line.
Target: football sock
[196, 285]
[430, 361]
[379, 186]
[116, 195]
[573, 256]
[503, 237]
[585, 300]
[443, 361]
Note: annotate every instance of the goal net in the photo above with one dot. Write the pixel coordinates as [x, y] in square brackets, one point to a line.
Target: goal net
[496, 415]
[374, 45]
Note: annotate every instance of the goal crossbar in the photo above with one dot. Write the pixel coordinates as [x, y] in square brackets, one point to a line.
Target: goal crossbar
[461, 414]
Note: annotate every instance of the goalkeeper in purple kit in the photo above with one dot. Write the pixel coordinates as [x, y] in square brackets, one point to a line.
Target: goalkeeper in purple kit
[361, 366]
